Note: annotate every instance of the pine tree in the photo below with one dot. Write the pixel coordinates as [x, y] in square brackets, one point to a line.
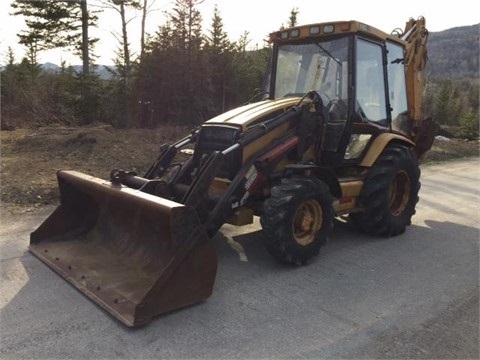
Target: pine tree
[446, 105]
[186, 23]
[292, 20]
[250, 71]
[61, 24]
[219, 52]
[187, 77]
[57, 24]
[158, 85]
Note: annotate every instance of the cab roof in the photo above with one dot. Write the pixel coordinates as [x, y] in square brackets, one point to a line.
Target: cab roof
[327, 29]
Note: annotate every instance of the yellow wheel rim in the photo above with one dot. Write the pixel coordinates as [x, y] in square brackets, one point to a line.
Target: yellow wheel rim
[399, 194]
[307, 222]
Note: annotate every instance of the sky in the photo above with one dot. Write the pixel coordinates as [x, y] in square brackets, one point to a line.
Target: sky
[257, 17]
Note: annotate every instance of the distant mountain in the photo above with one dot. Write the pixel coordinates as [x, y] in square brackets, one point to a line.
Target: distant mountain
[48, 66]
[101, 70]
[454, 52]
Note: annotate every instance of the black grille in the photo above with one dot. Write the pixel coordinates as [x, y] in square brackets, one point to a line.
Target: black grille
[219, 138]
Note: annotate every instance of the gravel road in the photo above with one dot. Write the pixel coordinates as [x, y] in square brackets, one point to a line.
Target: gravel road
[415, 296]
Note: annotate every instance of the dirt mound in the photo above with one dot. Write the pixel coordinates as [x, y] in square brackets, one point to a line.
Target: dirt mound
[57, 139]
[30, 159]
[78, 143]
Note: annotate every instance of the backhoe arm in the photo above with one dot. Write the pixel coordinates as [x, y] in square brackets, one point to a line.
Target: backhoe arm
[415, 35]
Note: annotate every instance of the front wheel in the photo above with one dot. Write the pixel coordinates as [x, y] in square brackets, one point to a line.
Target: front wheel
[297, 219]
[390, 193]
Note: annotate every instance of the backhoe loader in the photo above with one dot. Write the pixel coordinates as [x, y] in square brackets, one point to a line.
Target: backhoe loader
[339, 131]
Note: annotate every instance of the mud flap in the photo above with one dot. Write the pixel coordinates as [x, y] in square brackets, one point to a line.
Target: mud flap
[134, 254]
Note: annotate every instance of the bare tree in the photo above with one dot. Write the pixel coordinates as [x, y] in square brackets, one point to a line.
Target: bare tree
[142, 33]
[85, 41]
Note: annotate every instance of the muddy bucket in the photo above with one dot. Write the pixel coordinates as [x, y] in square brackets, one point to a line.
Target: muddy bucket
[134, 254]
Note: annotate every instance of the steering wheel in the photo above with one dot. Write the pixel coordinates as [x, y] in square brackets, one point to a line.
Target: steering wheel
[337, 109]
[325, 97]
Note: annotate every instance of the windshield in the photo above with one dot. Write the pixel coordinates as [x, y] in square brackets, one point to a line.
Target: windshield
[320, 66]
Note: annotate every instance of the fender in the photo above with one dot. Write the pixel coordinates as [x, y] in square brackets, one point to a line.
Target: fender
[380, 143]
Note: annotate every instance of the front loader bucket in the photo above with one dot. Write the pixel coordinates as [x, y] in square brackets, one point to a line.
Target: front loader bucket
[134, 254]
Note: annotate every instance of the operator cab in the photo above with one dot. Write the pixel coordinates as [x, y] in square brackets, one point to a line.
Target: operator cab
[357, 70]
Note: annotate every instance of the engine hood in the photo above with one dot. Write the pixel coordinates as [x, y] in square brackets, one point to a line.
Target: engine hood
[247, 115]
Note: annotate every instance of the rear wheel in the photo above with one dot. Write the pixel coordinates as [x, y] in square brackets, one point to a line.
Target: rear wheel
[390, 193]
[296, 219]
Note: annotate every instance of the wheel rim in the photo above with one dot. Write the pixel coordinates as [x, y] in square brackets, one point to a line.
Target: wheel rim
[400, 192]
[307, 222]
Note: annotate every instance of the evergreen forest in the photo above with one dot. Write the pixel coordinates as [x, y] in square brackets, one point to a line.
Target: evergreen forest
[184, 74]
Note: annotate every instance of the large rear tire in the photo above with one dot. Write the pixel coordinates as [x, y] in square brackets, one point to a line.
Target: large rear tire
[297, 219]
[390, 193]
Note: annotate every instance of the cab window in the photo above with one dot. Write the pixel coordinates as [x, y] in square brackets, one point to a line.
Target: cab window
[397, 91]
[370, 83]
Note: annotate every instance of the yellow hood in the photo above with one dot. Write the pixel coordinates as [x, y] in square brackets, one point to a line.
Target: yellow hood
[247, 115]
